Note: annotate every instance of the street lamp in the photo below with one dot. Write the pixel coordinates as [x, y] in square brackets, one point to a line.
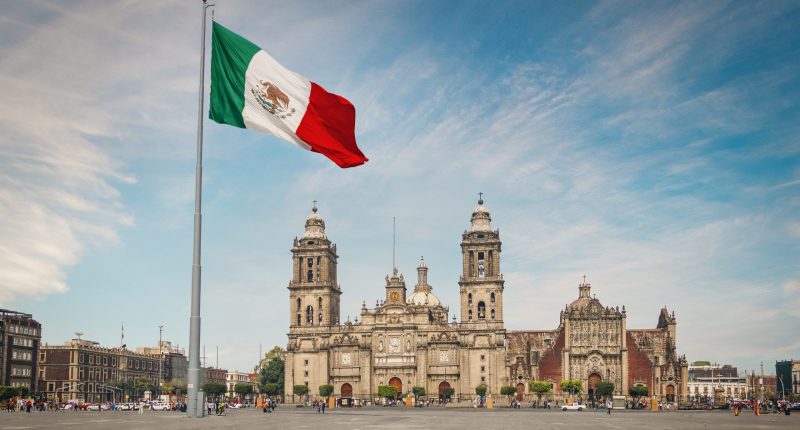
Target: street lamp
[160, 358]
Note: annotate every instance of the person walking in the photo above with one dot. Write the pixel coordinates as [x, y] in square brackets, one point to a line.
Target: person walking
[609, 407]
[323, 406]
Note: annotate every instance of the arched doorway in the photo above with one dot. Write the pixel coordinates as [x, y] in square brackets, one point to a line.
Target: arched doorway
[347, 390]
[594, 378]
[442, 388]
[671, 393]
[520, 391]
[397, 383]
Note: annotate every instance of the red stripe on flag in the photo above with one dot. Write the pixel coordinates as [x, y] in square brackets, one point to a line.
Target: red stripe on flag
[329, 127]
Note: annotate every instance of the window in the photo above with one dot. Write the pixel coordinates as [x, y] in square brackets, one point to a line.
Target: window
[480, 264]
[492, 313]
[82, 359]
[471, 264]
[114, 361]
[305, 362]
[320, 319]
[298, 319]
[483, 357]
[23, 341]
[491, 298]
[481, 310]
[299, 306]
[483, 379]
[319, 264]
[470, 314]
[483, 368]
[320, 302]
[469, 299]
[105, 360]
[91, 359]
[309, 315]
[491, 264]
[305, 373]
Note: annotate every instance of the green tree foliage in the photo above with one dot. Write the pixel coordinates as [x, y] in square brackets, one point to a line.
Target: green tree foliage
[8, 392]
[540, 388]
[325, 390]
[418, 391]
[214, 390]
[387, 391]
[701, 363]
[571, 386]
[23, 391]
[243, 390]
[508, 391]
[271, 368]
[480, 390]
[300, 390]
[270, 389]
[604, 389]
[637, 391]
[448, 392]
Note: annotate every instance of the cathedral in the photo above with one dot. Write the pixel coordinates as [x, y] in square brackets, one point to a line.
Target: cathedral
[406, 340]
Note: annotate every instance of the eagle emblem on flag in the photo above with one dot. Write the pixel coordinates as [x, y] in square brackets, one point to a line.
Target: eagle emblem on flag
[272, 99]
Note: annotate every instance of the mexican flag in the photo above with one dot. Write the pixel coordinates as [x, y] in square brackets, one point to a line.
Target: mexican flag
[249, 89]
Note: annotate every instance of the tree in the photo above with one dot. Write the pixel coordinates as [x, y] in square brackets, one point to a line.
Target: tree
[270, 389]
[300, 390]
[480, 390]
[7, 392]
[325, 390]
[214, 390]
[271, 368]
[508, 391]
[540, 388]
[243, 390]
[447, 393]
[387, 391]
[604, 389]
[637, 391]
[23, 391]
[571, 386]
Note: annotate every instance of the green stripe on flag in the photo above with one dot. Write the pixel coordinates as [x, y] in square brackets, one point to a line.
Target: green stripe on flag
[230, 56]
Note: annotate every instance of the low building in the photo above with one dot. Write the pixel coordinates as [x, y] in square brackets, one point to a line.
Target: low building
[236, 377]
[85, 371]
[212, 374]
[762, 386]
[704, 381]
[20, 336]
[174, 362]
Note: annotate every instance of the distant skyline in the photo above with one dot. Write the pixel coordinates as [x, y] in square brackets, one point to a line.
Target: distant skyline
[651, 146]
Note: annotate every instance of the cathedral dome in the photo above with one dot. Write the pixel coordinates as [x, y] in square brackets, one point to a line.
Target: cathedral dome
[584, 297]
[315, 225]
[423, 298]
[481, 218]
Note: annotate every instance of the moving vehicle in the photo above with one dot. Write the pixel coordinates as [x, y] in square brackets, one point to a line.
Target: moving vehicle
[159, 406]
[575, 406]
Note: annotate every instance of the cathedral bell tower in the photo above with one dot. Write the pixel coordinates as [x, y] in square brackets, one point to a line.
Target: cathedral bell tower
[313, 291]
[481, 281]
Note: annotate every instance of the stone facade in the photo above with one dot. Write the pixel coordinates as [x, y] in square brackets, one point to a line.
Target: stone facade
[407, 341]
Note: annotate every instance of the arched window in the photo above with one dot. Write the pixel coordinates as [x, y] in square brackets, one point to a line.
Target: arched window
[491, 298]
[469, 299]
[309, 315]
[299, 306]
[320, 303]
[320, 319]
[298, 319]
[481, 271]
[492, 313]
[481, 310]
[470, 314]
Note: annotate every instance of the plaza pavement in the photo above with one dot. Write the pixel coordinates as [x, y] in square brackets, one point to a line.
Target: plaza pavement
[379, 418]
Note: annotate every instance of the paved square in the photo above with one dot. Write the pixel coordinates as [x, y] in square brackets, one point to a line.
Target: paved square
[290, 417]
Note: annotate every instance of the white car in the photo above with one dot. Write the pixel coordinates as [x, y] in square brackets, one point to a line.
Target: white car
[573, 407]
[124, 407]
[237, 405]
[158, 406]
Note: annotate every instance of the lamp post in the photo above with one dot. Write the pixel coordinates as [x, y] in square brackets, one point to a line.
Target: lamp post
[160, 359]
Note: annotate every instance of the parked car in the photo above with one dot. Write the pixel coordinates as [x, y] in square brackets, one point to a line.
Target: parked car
[236, 405]
[573, 407]
[93, 407]
[124, 407]
[159, 406]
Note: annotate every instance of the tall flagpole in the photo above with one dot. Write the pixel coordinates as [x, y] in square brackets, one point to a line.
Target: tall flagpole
[193, 380]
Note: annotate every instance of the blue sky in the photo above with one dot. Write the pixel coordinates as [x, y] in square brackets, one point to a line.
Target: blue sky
[652, 146]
